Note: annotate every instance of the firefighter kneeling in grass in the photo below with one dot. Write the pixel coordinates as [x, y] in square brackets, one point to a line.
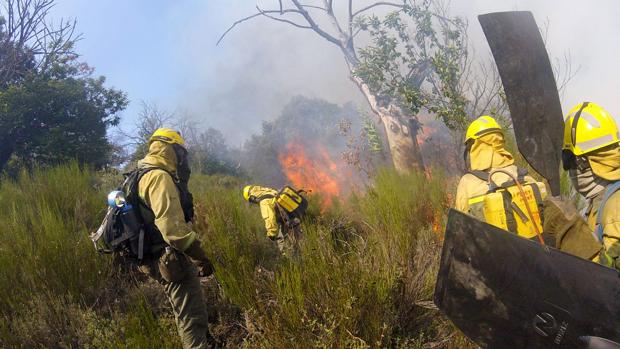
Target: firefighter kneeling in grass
[282, 212]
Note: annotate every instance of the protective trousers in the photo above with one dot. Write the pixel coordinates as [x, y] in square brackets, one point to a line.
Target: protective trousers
[183, 290]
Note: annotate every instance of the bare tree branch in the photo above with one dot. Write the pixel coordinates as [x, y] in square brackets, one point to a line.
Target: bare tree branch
[235, 24]
[267, 14]
[314, 25]
[315, 7]
[377, 4]
[28, 36]
[350, 20]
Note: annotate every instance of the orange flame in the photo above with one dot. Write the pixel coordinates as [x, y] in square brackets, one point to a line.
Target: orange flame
[318, 173]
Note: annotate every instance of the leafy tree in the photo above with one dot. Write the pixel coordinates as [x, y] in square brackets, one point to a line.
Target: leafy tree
[51, 118]
[52, 108]
[414, 61]
[30, 41]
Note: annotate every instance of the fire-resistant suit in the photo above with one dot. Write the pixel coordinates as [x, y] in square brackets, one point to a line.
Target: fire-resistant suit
[266, 199]
[280, 228]
[487, 153]
[174, 266]
[591, 155]
[604, 169]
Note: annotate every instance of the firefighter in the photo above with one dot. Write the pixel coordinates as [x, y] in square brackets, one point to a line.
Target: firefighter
[591, 155]
[177, 258]
[484, 153]
[281, 213]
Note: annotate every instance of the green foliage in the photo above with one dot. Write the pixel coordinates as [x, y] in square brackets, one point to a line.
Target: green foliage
[363, 267]
[415, 60]
[51, 107]
[49, 119]
[373, 136]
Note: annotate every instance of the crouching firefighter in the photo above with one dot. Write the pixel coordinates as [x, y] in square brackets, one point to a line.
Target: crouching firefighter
[281, 210]
[149, 222]
[495, 190]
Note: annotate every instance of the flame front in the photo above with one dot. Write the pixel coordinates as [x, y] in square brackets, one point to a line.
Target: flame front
[318, 173]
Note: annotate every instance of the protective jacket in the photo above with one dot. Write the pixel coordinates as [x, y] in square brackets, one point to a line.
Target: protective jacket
[471, 186]
[487, 153]
[266, 199]
[159, 192]
[605, 164]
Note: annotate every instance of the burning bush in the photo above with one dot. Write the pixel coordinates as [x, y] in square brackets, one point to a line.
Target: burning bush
[302, 142]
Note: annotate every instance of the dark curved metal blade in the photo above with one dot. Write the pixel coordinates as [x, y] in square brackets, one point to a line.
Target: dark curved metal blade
[506, 292]
[530, 87]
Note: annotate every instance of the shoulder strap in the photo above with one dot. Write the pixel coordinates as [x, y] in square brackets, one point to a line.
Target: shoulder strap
[521, 173]
[482, 175]
[611, 189]
[130, 185]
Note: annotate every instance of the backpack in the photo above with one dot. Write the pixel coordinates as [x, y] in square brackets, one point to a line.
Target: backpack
[506, 207]
[611, 189]
[123, 229]
[292, 201]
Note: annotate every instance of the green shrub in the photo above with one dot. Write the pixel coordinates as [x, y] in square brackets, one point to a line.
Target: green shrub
[364, 269]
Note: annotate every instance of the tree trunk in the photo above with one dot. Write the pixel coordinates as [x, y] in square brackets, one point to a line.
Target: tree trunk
[401, 135]
[6, 150]
[401, 131]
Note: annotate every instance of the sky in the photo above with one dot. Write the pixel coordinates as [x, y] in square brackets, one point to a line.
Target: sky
[164, 52]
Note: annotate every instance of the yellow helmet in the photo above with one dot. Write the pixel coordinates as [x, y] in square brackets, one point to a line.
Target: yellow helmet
[246, 192]
[588, 127]
[480, 127]
[167, 135]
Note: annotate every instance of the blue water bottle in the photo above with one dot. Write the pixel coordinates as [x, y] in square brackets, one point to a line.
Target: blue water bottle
[117, 199]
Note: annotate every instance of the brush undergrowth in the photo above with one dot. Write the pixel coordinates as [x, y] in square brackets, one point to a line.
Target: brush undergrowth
[363, 278]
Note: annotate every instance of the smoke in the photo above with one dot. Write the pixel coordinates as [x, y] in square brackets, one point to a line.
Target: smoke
[256, 70]
[261, 64]
[166, 52]
[587, 31]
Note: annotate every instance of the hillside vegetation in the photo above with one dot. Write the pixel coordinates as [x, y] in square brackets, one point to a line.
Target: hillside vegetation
[363, 278]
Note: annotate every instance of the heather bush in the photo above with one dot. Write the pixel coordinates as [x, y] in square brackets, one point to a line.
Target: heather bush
[363, 277]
